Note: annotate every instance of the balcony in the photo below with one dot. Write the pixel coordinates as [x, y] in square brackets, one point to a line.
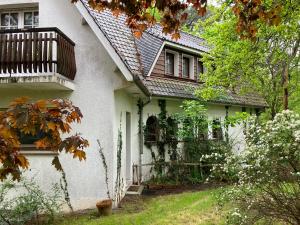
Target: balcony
[37, 58]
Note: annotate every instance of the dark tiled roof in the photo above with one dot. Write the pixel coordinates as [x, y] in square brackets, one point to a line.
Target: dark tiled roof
[119, 35]
[139, 55]
[166, 87]
[185, 39]
[148, 47]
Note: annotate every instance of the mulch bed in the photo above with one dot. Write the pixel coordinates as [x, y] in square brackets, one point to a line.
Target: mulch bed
[166, 189]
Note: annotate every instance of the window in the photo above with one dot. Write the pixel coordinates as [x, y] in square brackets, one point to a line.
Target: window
[185, 67]
[170, 59]
[9, 20]
[200, 67]
[14, 20]
[27, 139]
[172, 129]
[152, 130]
[31, 19]
[217, 132]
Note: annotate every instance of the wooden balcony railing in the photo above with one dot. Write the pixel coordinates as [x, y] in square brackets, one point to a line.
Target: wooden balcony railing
[36, 51]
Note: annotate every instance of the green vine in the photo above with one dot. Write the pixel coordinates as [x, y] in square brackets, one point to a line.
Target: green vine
[119, 185]
[64, 187]
[166, 137]
[105, 167]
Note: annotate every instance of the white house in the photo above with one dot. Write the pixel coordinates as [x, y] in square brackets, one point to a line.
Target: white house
[93, 59]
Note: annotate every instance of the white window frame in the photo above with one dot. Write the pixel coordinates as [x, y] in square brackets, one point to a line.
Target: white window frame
[176, 62]
[191, 67]
[198, 72]
[20, 15]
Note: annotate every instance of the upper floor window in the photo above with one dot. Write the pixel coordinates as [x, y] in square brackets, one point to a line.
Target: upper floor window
[200, 67]
[185, 67]
[170, 63]
[31, 19]
[188, 69]
[15, 19]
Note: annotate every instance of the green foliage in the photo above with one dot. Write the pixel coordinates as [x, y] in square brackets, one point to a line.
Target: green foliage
[197, 207]
[25, 203]
[268, 172]
[246, 66]
[197, 158]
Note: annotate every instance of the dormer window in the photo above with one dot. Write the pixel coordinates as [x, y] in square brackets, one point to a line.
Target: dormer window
[19, 19]
[185, 67]
[200, 67]
[170, 63]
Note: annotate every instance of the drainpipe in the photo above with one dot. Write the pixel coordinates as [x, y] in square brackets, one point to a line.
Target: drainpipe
[141, 106]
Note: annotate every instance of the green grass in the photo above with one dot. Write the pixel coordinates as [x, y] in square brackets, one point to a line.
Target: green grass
[190, 208]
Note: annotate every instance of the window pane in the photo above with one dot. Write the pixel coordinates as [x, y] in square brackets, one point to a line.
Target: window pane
[4, 19]
[185, 67]
[36, 19]
[170, 63]
[14, 19]
[200, 67]
[28, 19]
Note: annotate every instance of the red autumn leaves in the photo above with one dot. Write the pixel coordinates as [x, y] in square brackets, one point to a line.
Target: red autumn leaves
[48, 120]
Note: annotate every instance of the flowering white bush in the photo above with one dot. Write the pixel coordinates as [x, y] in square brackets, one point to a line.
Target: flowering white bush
[269, 172]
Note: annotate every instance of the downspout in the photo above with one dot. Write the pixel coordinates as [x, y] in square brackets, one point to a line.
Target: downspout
[141, 106]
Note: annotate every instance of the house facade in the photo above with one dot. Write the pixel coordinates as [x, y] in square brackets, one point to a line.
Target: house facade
[55, 49]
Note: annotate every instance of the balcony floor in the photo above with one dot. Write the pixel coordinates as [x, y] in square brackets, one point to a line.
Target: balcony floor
[48, 81]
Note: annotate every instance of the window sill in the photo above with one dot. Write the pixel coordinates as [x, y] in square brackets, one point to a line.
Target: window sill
[181, 78]
[31, 150]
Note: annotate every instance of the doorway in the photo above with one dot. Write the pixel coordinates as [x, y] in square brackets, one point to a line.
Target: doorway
[128, 149]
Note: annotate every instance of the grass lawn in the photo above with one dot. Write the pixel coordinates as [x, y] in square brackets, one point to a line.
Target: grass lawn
[189, 208]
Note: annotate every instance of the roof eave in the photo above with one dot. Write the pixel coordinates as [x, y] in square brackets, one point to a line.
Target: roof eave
[105, 42]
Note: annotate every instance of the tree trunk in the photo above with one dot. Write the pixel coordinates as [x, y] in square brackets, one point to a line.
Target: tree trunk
[285, 88]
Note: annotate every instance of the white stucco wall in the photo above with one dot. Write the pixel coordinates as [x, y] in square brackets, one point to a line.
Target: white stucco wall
[95, 82]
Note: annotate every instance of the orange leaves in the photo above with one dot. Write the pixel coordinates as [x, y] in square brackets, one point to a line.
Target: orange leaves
[172, 14]
[75, 145]
[250, 12]
[79, 154]
[22, 161]
[44, 119]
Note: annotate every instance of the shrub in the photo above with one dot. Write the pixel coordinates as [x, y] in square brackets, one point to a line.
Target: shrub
[269, 172]
[25, 203]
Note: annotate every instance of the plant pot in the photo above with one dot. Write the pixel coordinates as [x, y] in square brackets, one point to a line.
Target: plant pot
[104, 207]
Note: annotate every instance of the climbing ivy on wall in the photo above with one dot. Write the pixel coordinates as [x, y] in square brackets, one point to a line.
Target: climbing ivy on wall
[119, 184]
[163, 135]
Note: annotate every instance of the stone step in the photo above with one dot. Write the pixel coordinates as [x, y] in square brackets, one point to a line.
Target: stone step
[135, 190]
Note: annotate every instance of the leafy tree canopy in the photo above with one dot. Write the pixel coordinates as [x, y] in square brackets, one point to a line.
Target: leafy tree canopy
[268, 65]
[174, 13]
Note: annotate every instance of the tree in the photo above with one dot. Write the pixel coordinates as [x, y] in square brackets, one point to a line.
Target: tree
[268, 171]
[46, 120]
[142, 14]
[268, 65]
